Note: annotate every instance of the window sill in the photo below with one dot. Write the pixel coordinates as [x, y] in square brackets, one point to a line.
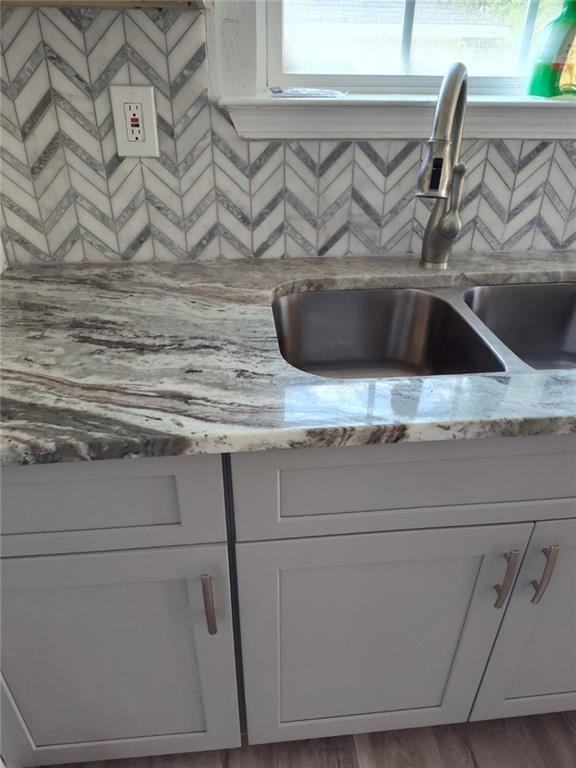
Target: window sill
[393, 117]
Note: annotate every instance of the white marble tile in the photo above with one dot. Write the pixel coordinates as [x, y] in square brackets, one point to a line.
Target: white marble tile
[20, 41]
[29, 233]
[61, 27]
[14, 25]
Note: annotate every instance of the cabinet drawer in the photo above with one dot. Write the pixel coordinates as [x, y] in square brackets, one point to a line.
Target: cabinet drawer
[321, 491]
[112, 504]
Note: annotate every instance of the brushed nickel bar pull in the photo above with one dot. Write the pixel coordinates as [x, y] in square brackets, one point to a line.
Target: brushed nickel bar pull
[551, 554]
[209, 608]
[503, 590]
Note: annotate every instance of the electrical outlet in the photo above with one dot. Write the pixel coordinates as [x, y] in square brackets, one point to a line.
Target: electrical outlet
[134, 113]
[134, 121]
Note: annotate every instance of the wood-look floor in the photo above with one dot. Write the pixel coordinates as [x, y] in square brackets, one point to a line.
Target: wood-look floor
[542, 741]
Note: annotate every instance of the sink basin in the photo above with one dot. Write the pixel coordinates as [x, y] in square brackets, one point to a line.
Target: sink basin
[537, 322]
[378, 333]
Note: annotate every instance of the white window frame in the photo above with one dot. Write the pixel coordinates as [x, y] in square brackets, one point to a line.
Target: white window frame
[242, 35]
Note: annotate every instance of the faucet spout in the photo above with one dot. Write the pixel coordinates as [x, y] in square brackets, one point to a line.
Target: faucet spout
[441, 175]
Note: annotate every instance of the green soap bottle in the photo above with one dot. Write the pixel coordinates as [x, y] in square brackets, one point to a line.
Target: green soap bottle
[554, 69]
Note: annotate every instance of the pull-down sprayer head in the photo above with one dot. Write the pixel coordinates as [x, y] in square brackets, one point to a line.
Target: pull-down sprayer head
[443, 147]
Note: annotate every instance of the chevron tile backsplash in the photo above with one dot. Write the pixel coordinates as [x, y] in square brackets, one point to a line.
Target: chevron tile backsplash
[67, 196]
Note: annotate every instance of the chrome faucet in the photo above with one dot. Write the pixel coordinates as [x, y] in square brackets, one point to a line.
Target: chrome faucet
[441, 176]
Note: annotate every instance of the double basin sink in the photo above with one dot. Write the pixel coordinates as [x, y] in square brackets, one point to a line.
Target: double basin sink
[412, 332]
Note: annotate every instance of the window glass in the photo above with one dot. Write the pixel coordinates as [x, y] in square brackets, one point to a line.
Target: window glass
[342, 36]
[418, 37]
[484, 34]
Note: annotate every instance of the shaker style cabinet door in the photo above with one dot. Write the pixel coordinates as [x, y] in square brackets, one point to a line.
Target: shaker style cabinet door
[533, 665]
[370, 632]
[117, 654]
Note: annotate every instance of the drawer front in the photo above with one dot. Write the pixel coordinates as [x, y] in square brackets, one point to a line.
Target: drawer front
[321, 491]
[112, 504]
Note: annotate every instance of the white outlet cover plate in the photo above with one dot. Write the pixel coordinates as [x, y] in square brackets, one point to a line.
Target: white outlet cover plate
[141, 94]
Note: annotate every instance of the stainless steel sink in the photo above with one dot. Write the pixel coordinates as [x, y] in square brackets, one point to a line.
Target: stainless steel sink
[537, 321]
[378, 333]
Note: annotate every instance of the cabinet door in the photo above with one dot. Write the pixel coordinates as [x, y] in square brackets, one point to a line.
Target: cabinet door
[109, 655]
[533, 665]
[369, 632]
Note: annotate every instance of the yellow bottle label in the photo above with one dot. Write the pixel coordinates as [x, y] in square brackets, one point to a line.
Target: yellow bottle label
[567, 82]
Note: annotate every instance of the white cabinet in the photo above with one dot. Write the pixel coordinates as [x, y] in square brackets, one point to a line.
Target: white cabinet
[366, 584]
[369, 632]
[533, 665]
[367, 595]
[109, 655]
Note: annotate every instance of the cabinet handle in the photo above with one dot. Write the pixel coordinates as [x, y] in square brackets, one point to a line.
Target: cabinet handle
[551, 554]
[209, 608]
[502, 590]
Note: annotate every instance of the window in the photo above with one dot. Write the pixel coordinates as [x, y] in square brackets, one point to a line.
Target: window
[403, 46]
[389, 56]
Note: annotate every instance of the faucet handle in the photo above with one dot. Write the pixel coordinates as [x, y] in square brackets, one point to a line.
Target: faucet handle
[450, 224]
[458, 173]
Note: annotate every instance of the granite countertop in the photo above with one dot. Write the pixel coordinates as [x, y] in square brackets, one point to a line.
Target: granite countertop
[103, 362]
